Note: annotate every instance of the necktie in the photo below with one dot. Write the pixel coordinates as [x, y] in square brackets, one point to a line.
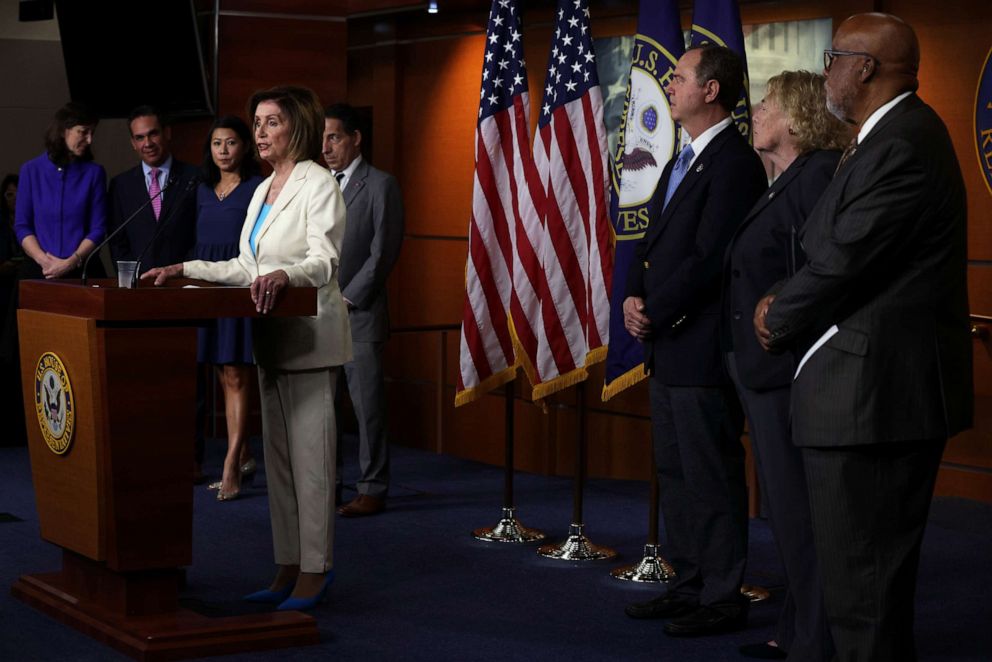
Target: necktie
[153, 190]
[848, 153]
[340, 178]
[678, 171]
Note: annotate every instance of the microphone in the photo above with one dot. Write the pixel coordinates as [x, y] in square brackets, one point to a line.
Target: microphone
[193, 182]
[117, 230]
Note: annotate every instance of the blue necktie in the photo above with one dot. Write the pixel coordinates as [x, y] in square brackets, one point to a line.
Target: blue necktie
[678, 171]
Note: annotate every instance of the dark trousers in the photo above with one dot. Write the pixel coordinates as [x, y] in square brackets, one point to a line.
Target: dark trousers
[700, 462]
[802, 624]
[869, 507]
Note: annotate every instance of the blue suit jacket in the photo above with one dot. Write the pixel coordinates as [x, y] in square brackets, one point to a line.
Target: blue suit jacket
[680, 260]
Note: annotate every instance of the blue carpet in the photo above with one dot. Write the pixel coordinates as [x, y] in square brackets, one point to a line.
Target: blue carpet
[412, 584]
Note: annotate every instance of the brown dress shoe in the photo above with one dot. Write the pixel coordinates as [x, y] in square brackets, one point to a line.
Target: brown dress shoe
[362, 506]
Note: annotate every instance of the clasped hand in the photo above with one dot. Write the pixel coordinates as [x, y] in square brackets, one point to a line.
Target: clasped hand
[634, 319]
[760, 328]
[55, 267]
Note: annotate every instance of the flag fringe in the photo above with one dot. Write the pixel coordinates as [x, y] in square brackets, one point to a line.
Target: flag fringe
[559, 383]
[486, 385]
[523, 360]
[624, 381]
[597, 355]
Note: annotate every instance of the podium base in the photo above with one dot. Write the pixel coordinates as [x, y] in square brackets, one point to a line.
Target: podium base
[178, 634]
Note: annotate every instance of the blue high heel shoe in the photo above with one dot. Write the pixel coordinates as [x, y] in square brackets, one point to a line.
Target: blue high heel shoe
[266, 596]
[304, 604]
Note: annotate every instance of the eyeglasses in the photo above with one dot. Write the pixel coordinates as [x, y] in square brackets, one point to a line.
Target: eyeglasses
[829, 55]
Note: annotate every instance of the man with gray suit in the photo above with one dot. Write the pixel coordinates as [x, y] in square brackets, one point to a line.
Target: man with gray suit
[879, 315]
[372, 241]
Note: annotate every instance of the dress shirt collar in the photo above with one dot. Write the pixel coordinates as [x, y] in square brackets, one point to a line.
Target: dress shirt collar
[704, 138]
[348, 172]
[877, 116]
[163, 172]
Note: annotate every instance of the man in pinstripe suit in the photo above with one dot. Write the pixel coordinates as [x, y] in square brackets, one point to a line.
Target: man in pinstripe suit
[880, 317]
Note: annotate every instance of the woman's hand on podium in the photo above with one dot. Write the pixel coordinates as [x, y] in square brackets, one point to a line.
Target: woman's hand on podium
[267, 288]
[162, 274]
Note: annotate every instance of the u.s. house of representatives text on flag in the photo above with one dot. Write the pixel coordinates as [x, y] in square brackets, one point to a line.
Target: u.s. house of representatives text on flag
[647, 140]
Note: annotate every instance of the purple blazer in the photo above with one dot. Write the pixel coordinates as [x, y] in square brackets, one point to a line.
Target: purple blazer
[61, 206]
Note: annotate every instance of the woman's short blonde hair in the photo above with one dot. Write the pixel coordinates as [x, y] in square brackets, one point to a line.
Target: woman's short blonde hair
[803, 99]
[304, 113]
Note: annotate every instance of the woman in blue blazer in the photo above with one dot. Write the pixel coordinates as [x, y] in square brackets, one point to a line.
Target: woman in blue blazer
[800, 141]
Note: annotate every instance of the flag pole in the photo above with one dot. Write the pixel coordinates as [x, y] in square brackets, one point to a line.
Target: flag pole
[577, 547]
[652, 568]
[509, 528]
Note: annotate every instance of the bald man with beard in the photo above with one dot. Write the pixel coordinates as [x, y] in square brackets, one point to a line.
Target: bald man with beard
[879, 315]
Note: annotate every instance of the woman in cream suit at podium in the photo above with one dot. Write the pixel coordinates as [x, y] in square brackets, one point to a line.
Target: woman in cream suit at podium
[292, 238]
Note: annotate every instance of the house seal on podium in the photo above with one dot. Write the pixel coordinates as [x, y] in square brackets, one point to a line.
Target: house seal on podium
[53, 403]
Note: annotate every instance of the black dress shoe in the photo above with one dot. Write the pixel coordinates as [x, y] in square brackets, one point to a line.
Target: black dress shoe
[707, 620]
[668, 605]
[763, 651]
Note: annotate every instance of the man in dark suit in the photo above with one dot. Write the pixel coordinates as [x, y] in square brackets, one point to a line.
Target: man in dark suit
[880, 316]
[372, 240]
[673, 306]
[176, 205]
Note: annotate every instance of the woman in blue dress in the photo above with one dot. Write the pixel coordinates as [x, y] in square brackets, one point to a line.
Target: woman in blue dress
[230, 178]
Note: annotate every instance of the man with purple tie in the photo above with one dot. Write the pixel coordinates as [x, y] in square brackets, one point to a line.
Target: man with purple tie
[160, 183]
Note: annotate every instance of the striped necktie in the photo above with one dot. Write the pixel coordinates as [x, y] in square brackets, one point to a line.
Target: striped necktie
[848, 153]
[154, 190]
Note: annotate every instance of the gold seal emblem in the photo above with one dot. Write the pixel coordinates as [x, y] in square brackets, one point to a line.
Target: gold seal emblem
[53, 403]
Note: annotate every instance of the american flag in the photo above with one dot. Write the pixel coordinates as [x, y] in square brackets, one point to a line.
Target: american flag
[577, 254]
[503, 270]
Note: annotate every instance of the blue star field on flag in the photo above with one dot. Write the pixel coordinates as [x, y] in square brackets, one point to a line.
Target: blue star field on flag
[572, 64]
[504, 72]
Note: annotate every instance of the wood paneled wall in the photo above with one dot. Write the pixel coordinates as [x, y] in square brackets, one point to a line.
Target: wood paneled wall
[263, 43]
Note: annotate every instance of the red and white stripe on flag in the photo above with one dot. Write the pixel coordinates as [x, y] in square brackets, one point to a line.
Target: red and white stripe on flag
[577, 251]
[502, 273]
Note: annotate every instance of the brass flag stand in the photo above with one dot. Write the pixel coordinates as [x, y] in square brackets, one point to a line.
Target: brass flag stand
[509, 528]
[577, 547]
[652, 568]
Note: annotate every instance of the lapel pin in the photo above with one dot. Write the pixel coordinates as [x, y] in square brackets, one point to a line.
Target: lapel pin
[771, 195]
[699, 168]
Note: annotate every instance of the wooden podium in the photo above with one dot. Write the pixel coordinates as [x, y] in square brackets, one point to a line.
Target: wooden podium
[109, 378]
